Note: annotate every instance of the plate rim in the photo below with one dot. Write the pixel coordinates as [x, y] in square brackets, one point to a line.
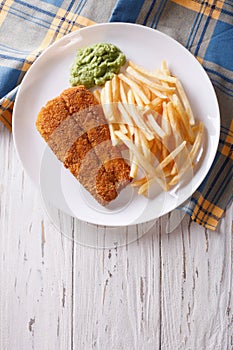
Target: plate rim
[104, 26]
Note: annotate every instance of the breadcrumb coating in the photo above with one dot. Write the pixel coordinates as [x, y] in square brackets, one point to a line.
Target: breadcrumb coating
[75, 128]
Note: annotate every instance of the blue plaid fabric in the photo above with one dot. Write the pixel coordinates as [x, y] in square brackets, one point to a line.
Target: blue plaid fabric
[27, 28]
[205, 28]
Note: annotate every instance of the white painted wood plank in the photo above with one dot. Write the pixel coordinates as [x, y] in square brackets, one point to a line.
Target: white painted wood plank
[196, 287]
[159, 292]
[118, 305]
[162, 292]
[35, 273]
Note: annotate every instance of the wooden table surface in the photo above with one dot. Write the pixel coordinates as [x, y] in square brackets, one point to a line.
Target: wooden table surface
[153, 290]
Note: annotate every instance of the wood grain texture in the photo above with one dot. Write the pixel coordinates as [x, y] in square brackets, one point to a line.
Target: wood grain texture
[161, 291]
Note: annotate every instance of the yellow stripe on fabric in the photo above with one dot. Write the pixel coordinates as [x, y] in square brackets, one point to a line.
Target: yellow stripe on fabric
[200, 60]
[85, 21]
[49, 37]
[5, 10]
[6, 118]
[6, 109]
[67, 25]
[205, 8]
[227, 148]
[229, 137]
[210, 207]
[203, 210]
[6, 103]
[63, 26]
[231, 128]
[71, 23]
[213, 228]
[211, 224]
[197, 213]
[227, 151]
[61, 23]
[29, 60]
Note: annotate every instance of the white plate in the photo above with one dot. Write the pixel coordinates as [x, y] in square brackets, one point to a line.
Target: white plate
[49, 75]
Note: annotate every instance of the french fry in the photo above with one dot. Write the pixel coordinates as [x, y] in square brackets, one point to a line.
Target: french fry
[154, 126]
[113, 136]
[184, 117]
[135, 87]
[156, 103]
[165, 153]
[144, 187]
[165, 69]
[180, 173]
[138, 100]
[166, 126]
[133, 168]
[154, 148]
[123, 94]
[139, 182]
[149, 113]
[130, 97]
[154, 75]
[197, 143]
[149, 168]
[134, 161]
[173, 120]
[115, 88]
[106, 105]
[137, 117]
[123, 128]
[145, 146]
[147, 91]
[126, 118]
[142, 79]
[108, 92]
[185, 101]
[96, 93]
[158, 93]
[172, 155]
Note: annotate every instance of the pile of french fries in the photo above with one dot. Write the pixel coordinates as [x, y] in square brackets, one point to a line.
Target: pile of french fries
[149, 112]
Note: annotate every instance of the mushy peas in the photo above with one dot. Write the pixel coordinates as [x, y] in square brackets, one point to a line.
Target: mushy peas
[96, 64]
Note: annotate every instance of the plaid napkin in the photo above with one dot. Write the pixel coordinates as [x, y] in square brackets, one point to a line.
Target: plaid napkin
[203, 27]
[28, 27]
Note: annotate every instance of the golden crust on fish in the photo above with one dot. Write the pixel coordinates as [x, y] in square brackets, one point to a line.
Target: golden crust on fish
[74, 126]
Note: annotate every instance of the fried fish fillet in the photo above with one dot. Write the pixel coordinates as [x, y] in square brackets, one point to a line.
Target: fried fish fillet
[74, 126]
[92, 120]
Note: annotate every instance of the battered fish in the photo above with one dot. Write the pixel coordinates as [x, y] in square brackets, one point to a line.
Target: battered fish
[75, 128]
